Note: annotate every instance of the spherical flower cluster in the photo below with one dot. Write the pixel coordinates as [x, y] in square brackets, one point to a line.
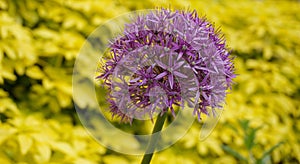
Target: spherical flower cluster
[179, 36]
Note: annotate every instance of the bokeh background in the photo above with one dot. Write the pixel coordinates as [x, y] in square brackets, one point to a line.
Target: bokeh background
[39, 42]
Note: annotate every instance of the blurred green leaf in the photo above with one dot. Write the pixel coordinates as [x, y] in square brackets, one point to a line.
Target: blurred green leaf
[244, 124]
[249, 138]
[267, 154]
[234, 153]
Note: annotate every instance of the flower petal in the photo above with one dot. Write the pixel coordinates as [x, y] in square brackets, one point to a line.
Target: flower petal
[171, 80]
[161, 75]
[179, 74]
[159, 63]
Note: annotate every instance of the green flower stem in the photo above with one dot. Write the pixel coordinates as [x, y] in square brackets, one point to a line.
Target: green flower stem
[154, 139]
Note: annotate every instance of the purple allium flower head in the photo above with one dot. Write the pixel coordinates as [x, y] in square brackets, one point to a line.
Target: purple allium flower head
[173, 40]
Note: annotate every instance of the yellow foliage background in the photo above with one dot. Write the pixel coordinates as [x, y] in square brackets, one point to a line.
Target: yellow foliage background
[39, 41]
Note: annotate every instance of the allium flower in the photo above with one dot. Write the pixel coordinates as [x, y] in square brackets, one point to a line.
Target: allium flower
[173, 40]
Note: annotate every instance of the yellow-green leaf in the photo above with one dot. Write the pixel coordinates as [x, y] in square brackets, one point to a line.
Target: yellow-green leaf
[63, 147]
[44, 153]
[35, 72]
[25, 142]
